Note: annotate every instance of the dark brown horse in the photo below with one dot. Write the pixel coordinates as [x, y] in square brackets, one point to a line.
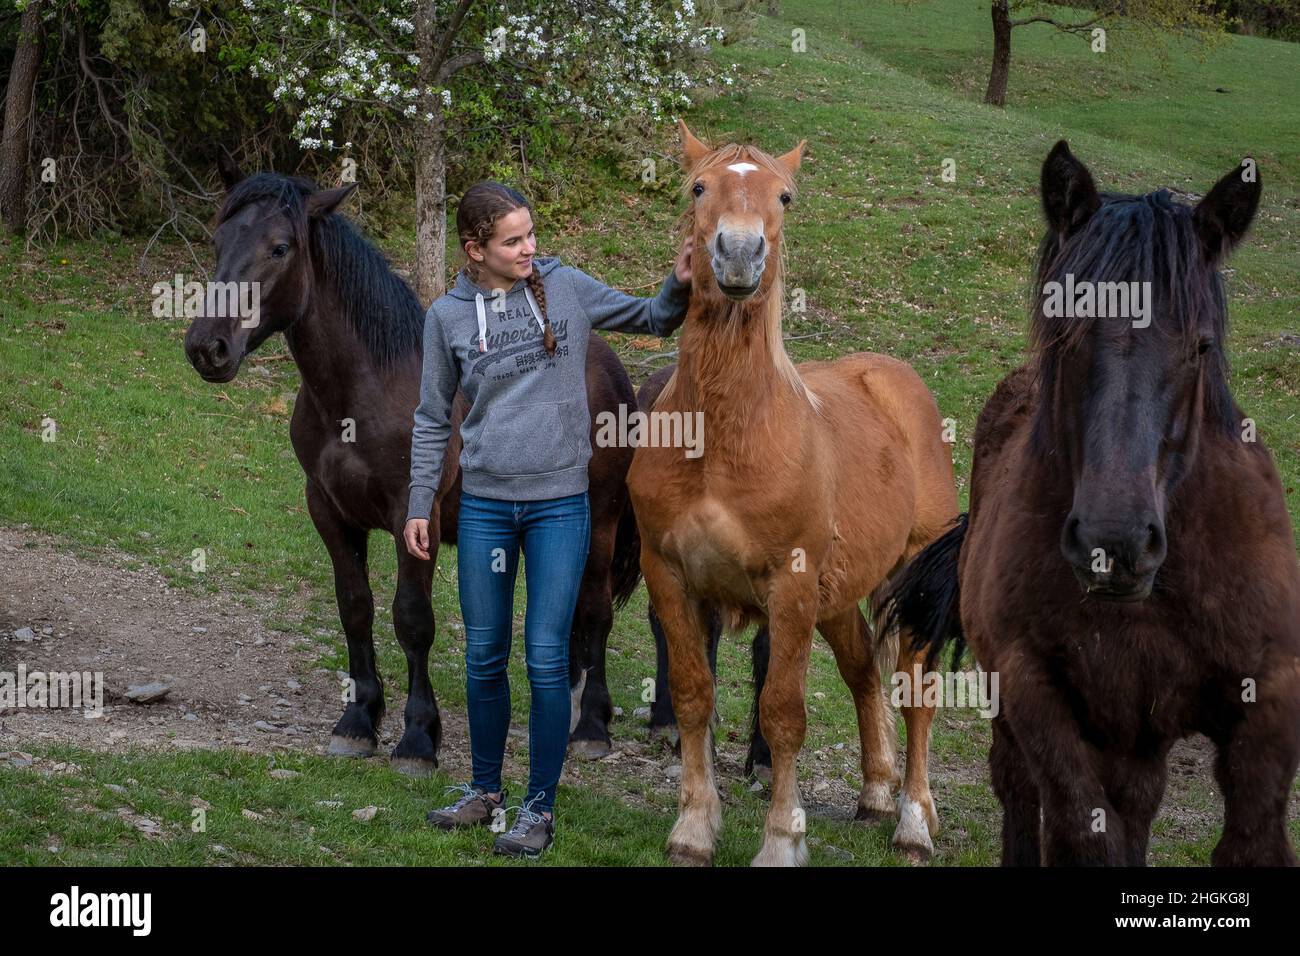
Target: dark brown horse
[1128, 567]
[355, 329]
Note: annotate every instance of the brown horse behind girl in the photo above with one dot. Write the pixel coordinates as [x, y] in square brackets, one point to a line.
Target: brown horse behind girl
[1128, 566]
[815, 483]
[354, 329]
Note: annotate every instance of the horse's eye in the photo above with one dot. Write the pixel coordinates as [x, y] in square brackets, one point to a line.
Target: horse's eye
[698, 189]
[1205, 345]
[785, 199]
[280, 251]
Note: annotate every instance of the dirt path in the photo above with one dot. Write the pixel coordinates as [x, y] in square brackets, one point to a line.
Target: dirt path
[234, 682]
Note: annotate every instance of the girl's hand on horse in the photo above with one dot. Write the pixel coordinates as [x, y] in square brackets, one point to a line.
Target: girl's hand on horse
[682, 268]
[416, 536]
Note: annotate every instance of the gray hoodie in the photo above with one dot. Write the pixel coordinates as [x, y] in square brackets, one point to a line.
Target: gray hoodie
[527, 433]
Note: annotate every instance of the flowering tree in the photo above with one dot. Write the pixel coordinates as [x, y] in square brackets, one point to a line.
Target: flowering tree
[423, 71]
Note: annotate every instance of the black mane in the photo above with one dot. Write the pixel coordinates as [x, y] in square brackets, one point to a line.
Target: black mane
[1135, 239]
[380, 307]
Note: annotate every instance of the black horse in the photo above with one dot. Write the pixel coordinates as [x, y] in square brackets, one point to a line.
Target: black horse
[355, 330]
[1128, 566]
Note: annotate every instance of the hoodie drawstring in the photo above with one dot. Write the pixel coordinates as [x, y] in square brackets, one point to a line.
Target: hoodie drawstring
[482, 322]
[482, 316]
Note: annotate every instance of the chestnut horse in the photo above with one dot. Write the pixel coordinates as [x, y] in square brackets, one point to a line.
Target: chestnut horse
[1128, 566]
[815, 483]
[355, 329]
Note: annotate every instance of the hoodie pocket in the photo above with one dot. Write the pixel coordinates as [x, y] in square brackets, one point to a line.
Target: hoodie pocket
[519, 440]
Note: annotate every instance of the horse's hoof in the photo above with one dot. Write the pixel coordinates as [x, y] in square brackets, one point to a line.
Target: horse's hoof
[912, 838]
[590, 749]
[914, 853]
[871, 816]
[782, 852]
[413, 766]
[351, 747]
[667, 732]
[875, 805]
[689, 856]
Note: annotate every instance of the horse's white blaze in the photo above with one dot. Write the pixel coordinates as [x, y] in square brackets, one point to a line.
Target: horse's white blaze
[741, 168]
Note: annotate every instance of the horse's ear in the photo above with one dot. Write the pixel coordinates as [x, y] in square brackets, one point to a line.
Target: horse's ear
[1069, 196]
[1225, 214]
[792, 159]
[321, 204]
[692, 149]
[230, 172]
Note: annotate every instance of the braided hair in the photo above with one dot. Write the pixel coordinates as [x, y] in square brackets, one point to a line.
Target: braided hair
[482, 206]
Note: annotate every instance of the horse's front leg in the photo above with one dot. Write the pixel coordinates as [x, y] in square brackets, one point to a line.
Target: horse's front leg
[416, 753]
[357, 732]
[1081, 827]
[1256, 767]
[1018, 794]
[792, 612]
[699, 814]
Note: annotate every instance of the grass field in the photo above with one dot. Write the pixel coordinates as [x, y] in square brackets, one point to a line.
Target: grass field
[152, 462]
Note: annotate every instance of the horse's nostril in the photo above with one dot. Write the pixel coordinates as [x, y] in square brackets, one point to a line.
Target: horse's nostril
[762, 247]
[722, 243]
[217, 352]
[1072, 533]
[1155, 539]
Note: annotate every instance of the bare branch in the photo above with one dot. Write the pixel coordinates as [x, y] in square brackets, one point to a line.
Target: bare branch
[458, 63]
[449, 34]
[1064, 27]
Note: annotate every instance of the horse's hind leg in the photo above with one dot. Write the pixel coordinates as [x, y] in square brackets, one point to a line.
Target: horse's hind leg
[699, 814]
[758, 762]
[918, 822]
[417, 752]
[662, 720]
[593, 617]
[851, 642]
[357, 732]
[1255, 768]
[1018, 794]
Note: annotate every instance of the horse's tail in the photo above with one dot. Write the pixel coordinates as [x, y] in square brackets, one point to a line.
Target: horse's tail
[925, 597]
[625, 571]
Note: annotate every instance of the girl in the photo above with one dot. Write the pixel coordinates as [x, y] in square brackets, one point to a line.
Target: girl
[512, 335]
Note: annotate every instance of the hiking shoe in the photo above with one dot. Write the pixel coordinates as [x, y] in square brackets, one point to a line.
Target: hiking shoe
[531, 834]
[474, 808]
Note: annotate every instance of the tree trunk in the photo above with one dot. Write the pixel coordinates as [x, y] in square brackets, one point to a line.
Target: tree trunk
[431, 207]
[430, 165]
[996, 94]
[14, 160]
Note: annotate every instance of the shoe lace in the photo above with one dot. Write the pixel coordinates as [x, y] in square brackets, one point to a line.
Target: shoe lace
[527, 818]
[468, 794]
